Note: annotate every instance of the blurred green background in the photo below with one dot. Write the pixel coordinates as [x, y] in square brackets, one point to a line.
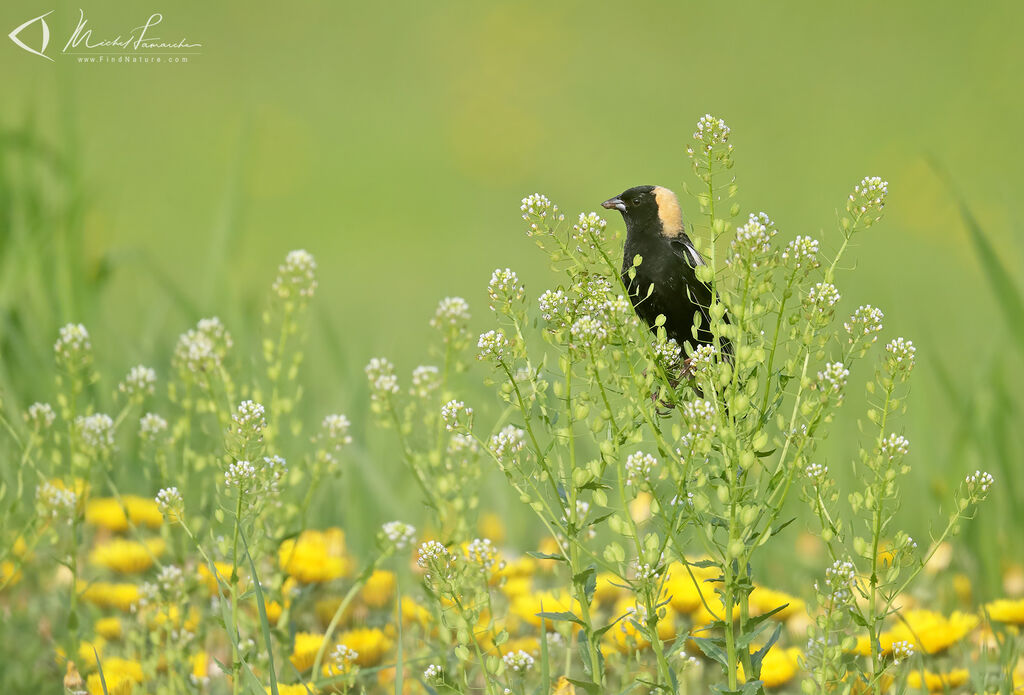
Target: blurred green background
[395, 140]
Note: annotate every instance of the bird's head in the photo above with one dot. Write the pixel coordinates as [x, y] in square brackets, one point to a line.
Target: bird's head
[652, 208]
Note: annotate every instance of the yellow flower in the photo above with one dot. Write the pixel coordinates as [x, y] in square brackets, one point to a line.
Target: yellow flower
[608, 587]
[763, 600]
[928, 631]
[109, 628]
[117, 684]
[370, 643]
[114, 666]
[413, 612]
[200, 665]
[640, 507]
[127, 557]
[87, 655]
[315, 556]
[107, 595]
[293, 689]
[491, 526]
[517, 586]
[108, 513]
[307, 644]
[685, 591]
[778, 667]
[527, 607]
[932, 632]
[626, 636]
[519, 568]
[530, 645]
[379, 588]
[326, 607]
[1006, 610]
[9, 573]
[274, 610]
[210, 579]
[937, 682]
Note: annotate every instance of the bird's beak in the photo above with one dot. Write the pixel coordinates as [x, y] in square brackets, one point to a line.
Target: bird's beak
[614, 204]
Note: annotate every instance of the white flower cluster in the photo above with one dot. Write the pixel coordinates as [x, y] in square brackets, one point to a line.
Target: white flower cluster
[822, 298]
[979, 482]
[901, 651]
[711, 131]
[816, 472]
[434, 557]
[753, 241]
[639, 466]
[462, 445]
[537, 208]
[481, 551]
[202, 349]
[702, 358]
[240, 474]
[554, 307]
[335, 431]
[97, 431]
[507, 443]
[381, 375]
[643, 571]
[399, 533]
[426, 379]
[588, 332]
[170, 502]
[901, 355]
[833, 378]
[296, 277]
[171, 580]
[518, 661]
[894, 446]
[802, 252]
[275, 470]
[344, 656]
[55, 501]
[451, 313]
[73, 346]
[588, 229]
[667, 352]
[433, 673]
[868, 195]
[492, 345]
[504, 289]
[700, 415]
[865, 321]
[151, 426]
[249, 421]
[40, 416]
[840, 579]
[457, 416]
[140, 380]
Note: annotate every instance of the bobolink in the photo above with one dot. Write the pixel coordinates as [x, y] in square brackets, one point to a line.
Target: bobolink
[665, 282]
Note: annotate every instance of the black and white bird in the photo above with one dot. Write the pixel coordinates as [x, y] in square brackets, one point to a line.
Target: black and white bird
[665, 283]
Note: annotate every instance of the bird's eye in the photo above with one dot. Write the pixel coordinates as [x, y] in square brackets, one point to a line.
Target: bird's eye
[636, 202]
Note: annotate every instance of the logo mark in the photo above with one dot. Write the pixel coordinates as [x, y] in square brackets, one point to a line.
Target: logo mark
[46, 36]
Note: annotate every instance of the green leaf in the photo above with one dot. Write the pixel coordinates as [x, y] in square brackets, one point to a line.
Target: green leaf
[566, 616]
[712, 649]
[264, 622]
[757, 657]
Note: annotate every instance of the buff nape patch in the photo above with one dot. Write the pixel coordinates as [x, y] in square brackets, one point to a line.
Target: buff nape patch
[669, 212]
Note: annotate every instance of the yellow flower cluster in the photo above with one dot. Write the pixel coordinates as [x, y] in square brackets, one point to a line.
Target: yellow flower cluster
[109, 513]
[315, 556]
[110, 595]
[928, 631]
[127, 557]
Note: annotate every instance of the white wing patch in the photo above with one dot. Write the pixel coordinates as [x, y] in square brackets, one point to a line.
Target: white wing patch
[694, 255]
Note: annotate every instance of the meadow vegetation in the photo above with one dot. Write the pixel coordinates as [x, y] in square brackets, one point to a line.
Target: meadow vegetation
[165, 531]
